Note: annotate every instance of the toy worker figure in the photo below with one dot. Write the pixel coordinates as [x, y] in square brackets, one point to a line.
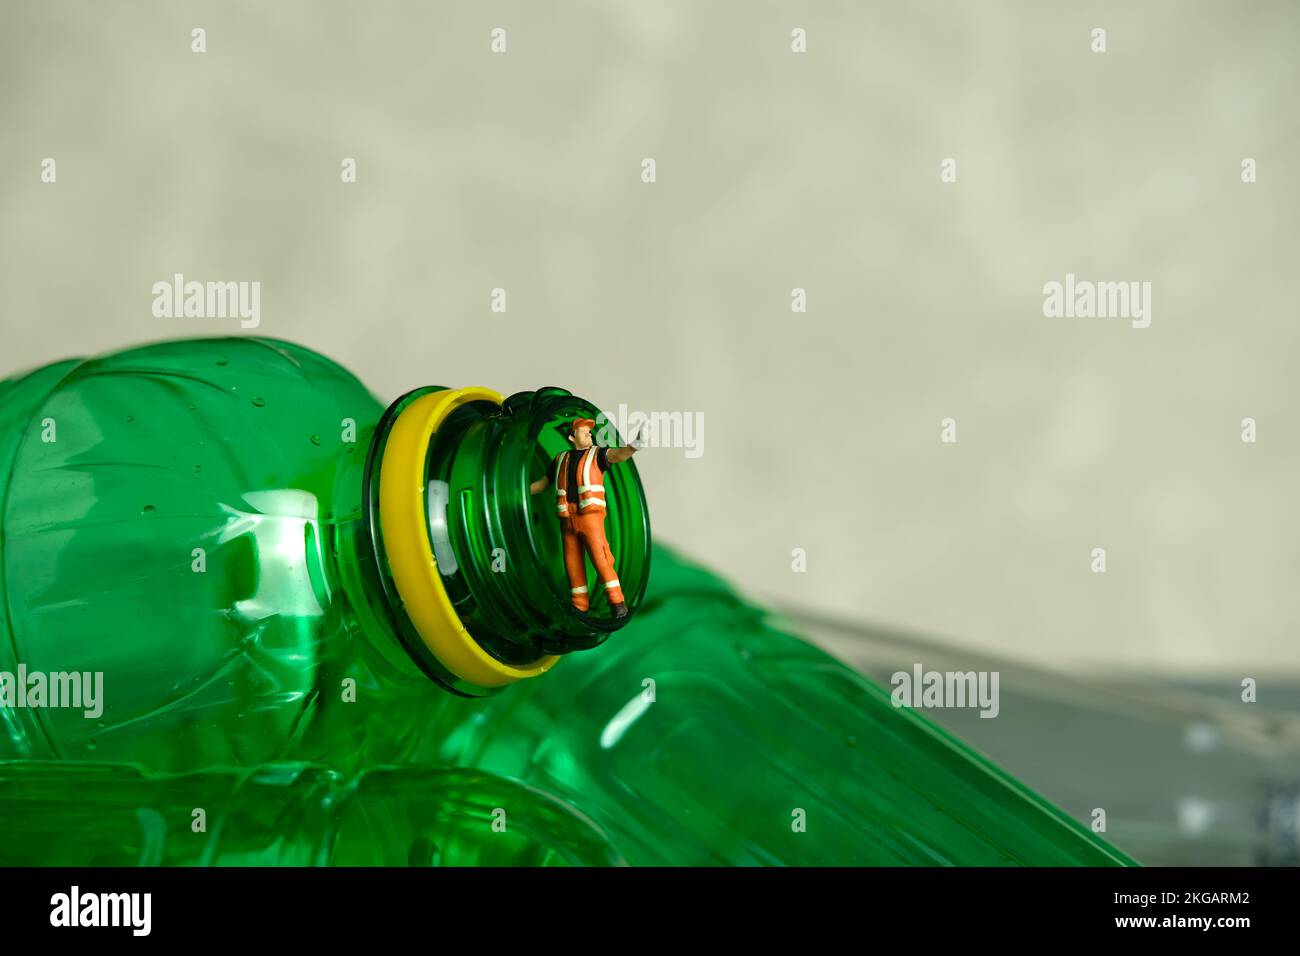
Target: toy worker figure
[579, 477]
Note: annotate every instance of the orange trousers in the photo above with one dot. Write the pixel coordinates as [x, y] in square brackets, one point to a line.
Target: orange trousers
[587, 533]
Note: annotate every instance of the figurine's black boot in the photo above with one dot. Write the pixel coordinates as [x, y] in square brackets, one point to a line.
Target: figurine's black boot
[619, 610]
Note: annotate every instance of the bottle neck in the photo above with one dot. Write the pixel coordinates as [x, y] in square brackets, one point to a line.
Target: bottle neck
[459, 565]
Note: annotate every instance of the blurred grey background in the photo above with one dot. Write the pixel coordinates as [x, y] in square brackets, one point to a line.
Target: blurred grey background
[775, 170]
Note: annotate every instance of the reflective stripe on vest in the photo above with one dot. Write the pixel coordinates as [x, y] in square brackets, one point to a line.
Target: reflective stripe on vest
[591, 494]
[562, 495]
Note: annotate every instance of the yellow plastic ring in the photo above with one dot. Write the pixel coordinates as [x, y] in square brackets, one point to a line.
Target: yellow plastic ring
[404, 522]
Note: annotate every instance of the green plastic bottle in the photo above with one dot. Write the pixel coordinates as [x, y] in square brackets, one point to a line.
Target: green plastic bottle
[271, 570]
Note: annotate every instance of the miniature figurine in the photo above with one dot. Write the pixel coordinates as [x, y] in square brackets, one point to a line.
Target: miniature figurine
[580, 505]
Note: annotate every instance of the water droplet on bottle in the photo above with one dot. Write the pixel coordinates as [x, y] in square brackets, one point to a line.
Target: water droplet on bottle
[259, 401]
[222, 361]
[91, 745]
[130, 418]
[315, 439]
[148, 510]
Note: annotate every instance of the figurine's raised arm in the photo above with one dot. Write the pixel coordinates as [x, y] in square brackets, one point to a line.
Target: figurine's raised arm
[615, 455]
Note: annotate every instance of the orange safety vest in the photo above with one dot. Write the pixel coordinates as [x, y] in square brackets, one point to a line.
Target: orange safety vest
[591, 483]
